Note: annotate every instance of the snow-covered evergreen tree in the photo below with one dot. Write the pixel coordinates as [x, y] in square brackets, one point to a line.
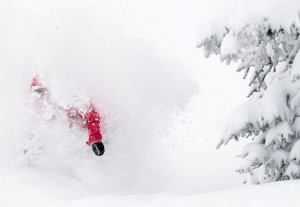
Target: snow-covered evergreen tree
[262, 37]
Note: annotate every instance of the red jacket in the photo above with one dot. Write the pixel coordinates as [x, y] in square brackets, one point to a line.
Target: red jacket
[93, 120]
[91, 117]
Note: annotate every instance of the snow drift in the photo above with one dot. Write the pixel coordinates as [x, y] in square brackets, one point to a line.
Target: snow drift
[56, 193]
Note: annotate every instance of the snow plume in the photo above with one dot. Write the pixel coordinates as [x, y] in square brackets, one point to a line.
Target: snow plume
[81, 54]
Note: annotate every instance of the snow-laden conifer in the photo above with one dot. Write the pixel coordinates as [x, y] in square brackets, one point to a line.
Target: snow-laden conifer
[262, 38]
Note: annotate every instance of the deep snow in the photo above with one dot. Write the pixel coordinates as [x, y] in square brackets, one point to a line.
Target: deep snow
[142, 69]
[41, 187]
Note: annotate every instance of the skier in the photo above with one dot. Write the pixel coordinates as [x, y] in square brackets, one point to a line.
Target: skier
[88, 118]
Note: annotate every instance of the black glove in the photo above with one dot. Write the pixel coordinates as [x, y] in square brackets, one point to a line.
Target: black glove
[98, 148]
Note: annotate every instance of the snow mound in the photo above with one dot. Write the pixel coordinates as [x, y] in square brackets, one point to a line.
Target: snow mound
[230, 45]
[295, 152]
[279, 135]
[293, 171]
[253, 154]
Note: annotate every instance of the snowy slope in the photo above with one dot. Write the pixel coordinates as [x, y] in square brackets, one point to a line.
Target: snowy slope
[37, 187]
[271, 195]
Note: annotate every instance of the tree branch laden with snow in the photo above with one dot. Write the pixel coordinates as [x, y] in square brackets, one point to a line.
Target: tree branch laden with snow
[263, 39]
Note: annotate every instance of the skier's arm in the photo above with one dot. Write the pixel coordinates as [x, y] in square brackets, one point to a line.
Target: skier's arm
[93, 120]
[95, 137]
